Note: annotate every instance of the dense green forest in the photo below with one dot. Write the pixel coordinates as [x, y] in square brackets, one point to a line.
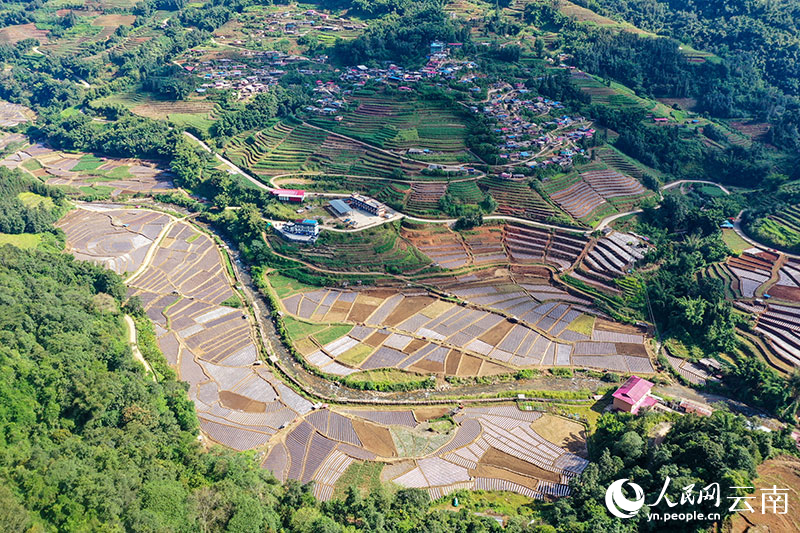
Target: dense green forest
[700, 451]
[767, 34]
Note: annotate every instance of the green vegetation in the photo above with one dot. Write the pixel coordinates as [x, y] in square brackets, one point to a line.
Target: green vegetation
[332, 333]
[365, 476]
[700, 450]
[387, 379]
[21, 240]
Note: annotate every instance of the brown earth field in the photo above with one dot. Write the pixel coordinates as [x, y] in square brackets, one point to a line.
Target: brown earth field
[470, 366]
[501, 473]
[604, 325]
[414, 345]
[423, 414]
[496, 334]
[376, 439]
[782, 472]
[496, 458]
[231, 400]
[406, 308]
[360, 312]
[630, 348]
[492, 369]
[563, 433]
[14, 34]
[791, 294]
[452, 361]
[376, 339]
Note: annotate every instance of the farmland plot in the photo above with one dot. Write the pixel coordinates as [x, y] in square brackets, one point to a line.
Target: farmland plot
[399, 125]
[596, 194]
[525, 324]
[14, 114]
[495, 448]
[288, 147]
[182, 284]
[118, 239]
[85, 171]
[780, 324]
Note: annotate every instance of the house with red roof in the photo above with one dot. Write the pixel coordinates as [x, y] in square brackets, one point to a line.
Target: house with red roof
[289, 195]
[633, 395]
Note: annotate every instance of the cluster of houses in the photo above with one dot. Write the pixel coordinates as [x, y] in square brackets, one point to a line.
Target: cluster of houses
[294, 23]
[439, 66]
[253, 74]
[526, 141]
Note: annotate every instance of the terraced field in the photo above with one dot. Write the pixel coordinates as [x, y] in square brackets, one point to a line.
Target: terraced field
[518, 199]
[87, 173]
[593, 195]
[14, 114]
[115, 238]
[781, 229]
[377, 249]
[509, 324]
[288, 147]
[443, 246]
[424, 199]
[492, 448]
[182, 283]
[780, 324]
[402, 124]
[609, 259]
[529, 244]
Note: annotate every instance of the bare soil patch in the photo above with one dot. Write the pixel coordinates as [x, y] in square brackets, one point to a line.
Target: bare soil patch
[452, 362]
[782, 472]
[498, 459]
[376, 339]
[423, 414]
[492, 369]
[14, 34]
[406, 308]
[425, 367]
[374, 438]
[604, 325]
[414, 345]
[562, 432]
[629, 348]
[496, 334]
[360, 312]
[782, 292]
[470, 366]
[501, 473]
[231, 400]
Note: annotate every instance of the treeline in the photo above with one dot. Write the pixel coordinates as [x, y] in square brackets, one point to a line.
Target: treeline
[17, 217]
[769, 32]
[278, 101]
[130, 136]
[721, 449]
[732, 87]
[685, 306]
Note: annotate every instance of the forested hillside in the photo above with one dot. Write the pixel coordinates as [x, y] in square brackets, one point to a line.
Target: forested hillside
[764, 34]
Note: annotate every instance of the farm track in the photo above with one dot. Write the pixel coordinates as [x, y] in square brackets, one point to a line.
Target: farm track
[137, 353]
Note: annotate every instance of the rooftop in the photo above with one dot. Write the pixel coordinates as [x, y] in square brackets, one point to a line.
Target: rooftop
[633, 390]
